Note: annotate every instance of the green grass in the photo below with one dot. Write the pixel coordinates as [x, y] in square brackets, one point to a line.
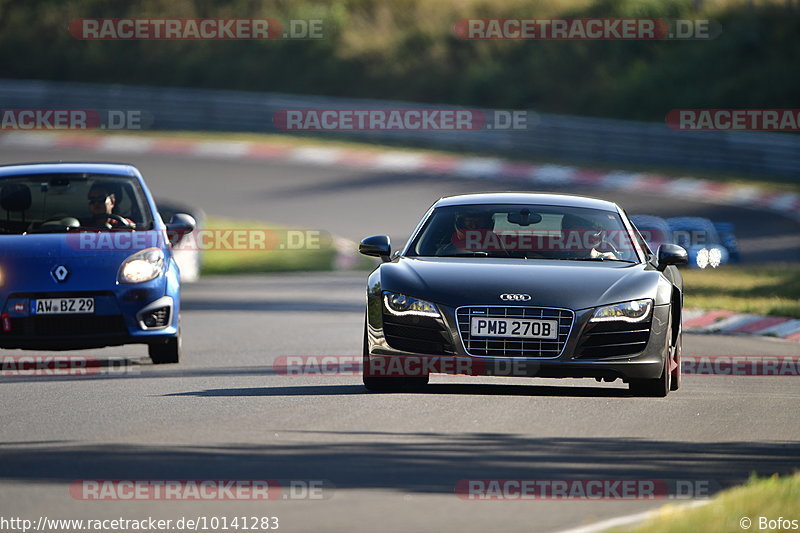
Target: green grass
[772, 289]
[316, 257]
[770, 497]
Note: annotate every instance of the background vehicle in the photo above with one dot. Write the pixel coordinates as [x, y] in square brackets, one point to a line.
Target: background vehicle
[709, 244]
[78, 277]
[700, 239]
[655, 230]
[727, 237]
[557, 299]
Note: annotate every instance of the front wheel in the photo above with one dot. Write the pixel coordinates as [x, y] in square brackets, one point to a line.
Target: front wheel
[676, 373]
[656, 388]
[166, 352]
[379, 382]
[660, 386]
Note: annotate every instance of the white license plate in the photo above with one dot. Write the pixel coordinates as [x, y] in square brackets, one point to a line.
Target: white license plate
[523, 328]
[62, 306]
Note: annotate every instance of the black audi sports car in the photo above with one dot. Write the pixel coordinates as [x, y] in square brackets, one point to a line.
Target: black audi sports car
[523, 284]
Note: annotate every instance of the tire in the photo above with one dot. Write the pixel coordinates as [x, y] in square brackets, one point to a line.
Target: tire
[653, 388]
[660, 386]
[387, 384]
[675, 383]
[166, 352]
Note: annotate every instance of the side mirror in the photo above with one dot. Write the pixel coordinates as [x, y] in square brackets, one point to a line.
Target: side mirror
[671, 254]
[376, 246]
[179, 225]
[182, 222]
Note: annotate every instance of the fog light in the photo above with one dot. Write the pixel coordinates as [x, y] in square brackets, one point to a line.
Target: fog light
[157, 318]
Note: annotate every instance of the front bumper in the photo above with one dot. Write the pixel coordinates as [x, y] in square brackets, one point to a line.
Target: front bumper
[127, 315]
[579, 356]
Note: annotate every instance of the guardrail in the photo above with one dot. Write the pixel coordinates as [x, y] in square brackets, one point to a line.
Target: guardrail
[553, 137]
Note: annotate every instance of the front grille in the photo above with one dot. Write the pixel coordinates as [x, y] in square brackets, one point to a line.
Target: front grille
[417, 335]
[609, 339]
[68, 325]
[511, 347]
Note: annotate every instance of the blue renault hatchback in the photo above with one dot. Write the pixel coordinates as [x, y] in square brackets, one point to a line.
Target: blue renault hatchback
[85, 260]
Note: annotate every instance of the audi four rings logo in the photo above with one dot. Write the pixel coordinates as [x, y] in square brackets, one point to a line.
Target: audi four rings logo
[515, 297]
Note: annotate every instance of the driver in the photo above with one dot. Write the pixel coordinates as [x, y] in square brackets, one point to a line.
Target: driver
[102, 202]
[473, 232]
[589, 234]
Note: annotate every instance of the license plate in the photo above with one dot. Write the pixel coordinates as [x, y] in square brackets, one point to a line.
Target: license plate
[523, 328]
[62, 306]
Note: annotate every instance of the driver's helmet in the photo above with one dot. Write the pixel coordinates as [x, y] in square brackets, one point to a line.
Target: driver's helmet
[589, 231]
[474, 220]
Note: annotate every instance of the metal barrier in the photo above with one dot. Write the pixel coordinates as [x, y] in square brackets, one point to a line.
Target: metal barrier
[571, 139]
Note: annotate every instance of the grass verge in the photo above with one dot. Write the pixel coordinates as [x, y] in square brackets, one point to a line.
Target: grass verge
[770, 498]
[772, 289]
[264, 247]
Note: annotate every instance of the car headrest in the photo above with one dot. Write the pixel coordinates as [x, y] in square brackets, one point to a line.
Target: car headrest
[574, 222]
[15, 197]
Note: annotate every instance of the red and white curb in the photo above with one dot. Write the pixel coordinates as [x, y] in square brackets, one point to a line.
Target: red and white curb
[730, 323]
[487, 168]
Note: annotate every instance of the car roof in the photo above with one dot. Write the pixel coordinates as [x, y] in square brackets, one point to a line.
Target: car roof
[690, 222]
[527, 198]
[22, 169]
[651, 220]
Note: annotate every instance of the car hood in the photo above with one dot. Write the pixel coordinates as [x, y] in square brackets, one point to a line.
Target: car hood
[27, 261]
[550, 283]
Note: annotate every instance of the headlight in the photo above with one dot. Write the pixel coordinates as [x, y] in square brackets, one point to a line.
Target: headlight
[714, 257]
[142, 266]
[400, 304]
[635, 311]
[702, 258]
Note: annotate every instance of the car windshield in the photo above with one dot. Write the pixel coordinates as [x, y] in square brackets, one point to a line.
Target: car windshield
[524, 232]
[693, 233]
[53, 203]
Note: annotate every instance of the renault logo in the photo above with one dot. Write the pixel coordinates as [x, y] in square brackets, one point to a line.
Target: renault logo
[60, 273]
[515, 297]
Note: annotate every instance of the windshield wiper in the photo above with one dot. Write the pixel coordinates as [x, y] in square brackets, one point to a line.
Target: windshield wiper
[598, 259]
[466, 254]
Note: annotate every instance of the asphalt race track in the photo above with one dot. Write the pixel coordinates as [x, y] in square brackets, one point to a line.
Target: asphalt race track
[389, 462]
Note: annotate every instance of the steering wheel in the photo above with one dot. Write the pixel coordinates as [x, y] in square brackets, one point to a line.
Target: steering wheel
[614, 250]
[63, 220]
[122, 220]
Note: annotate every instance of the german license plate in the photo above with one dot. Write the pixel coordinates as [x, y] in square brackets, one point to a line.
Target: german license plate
[523, 328]
[62, 306]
